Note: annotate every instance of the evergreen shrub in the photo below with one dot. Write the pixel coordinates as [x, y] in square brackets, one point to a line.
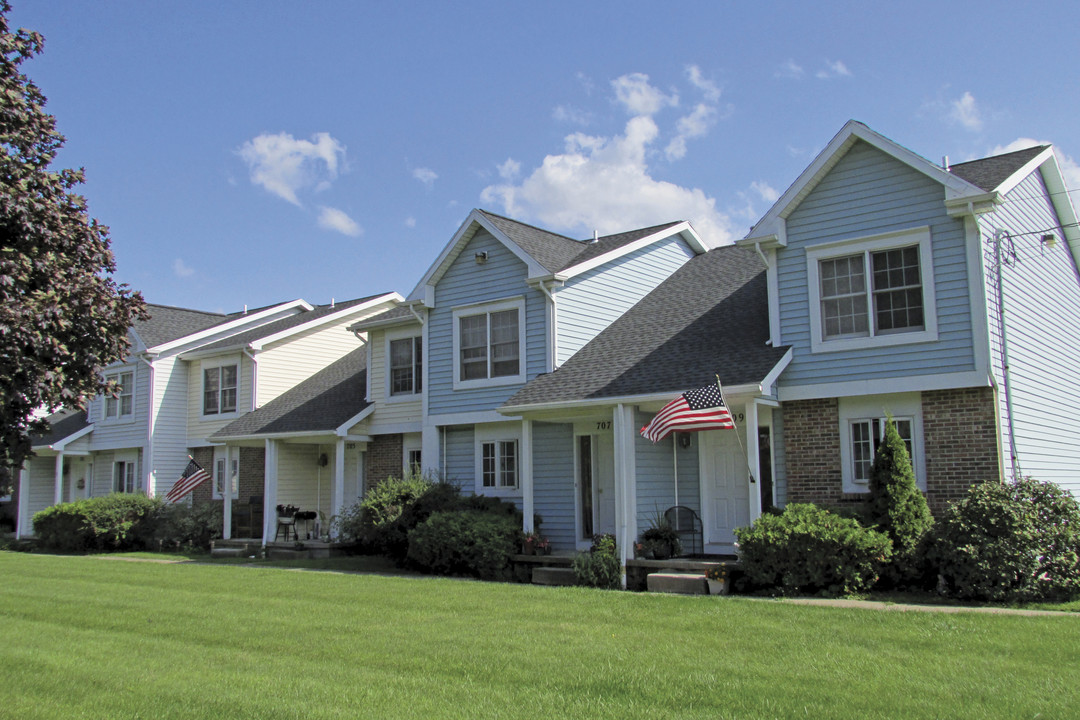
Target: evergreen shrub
[394, 507]
[116, 522]
[190, 527]
[465, 542]
[809, 550]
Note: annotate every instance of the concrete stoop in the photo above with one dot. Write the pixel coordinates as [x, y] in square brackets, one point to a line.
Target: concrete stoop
[553, 576]
[231, 549]
[678, 583]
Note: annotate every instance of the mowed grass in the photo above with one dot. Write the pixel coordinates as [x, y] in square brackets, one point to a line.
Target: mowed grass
[88, 637]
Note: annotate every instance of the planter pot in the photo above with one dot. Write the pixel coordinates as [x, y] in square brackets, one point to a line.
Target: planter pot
[718, 587]
[528, 548]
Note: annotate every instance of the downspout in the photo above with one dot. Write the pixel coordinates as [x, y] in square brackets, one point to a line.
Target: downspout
[148, 453]
[254, 379]
[757, 247]
[998, 235]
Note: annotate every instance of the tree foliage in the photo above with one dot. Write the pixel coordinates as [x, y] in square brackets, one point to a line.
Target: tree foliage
[62, 316]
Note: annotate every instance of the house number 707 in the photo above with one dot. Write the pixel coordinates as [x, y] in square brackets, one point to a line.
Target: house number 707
[603, 425]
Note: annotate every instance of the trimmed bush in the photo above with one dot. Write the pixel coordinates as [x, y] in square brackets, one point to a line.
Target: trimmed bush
[1014, 541]
[394, 507]
[807, 549]
[465, 542]
[113, 522]
[600, 567]
[189, 527]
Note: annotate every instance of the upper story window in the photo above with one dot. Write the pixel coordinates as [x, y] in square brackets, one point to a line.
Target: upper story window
[219, 389]
[871, 291]
[406, 366]
[123, 405]
[489, 344]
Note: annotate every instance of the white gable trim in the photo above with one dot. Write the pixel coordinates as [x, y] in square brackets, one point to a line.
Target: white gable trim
[1062, 201]
[243, 320]
[343, 429]
[1029, 167]
[684, 229]
[326, 319]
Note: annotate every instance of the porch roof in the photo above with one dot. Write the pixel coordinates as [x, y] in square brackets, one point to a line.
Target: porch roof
[711, 317]
[62, 425]
[322, 403]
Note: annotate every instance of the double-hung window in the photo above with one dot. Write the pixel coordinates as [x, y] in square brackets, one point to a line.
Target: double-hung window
[124, 480]
[489, 343]
[226, 474]
[123, 405]
[406, 366]
[862, 431]
[867, 434]
[219, 389]
[871, 291]
[499, 467]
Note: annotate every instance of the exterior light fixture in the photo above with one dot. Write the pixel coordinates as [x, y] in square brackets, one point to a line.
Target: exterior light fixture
[481, 257]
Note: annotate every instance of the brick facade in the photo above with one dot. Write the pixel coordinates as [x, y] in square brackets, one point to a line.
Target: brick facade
[382, 459]
[960, 439]
[252, 474]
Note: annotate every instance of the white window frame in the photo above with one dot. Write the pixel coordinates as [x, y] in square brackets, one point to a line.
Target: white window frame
[128, 391]
[497, 435]
[517, 303]
[221, 461]
[411, 448]
[218, 365]
[866, 245]
[901, 406]
[127, 460]
[418, 368]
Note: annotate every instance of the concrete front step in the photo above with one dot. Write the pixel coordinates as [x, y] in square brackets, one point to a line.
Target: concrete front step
[553, 576]
[679, 583]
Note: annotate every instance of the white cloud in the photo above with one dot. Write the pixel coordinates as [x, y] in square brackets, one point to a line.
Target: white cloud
[571, 114]
[284, 165]
[966, 112]
[181, 269]
[509, 169]
[833, 69]
[707, 87]
[425, 175]
[336, 220]
[1070, 169]
[410, 222]
[693, 125]
[789, 69]
[766, 191]
[638, 97]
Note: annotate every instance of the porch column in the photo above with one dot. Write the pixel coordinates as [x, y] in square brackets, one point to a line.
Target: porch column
[753, 458]
[527, 504]
[270, 491]
[625, 484]
[226, 493]
[337, 496]
[58, 479]
[20, 508]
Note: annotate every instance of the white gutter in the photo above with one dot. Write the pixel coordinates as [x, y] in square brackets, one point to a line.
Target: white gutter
[254, 379]
[747, 389]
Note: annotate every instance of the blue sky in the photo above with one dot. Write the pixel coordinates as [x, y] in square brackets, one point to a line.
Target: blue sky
[244, 153]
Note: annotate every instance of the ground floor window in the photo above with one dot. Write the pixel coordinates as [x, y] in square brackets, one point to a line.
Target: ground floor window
[867, 435]
[226, 472]
[862, 430]
[499, 464]
[124, 480]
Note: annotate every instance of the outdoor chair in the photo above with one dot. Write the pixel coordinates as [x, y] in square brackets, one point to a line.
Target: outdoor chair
[687, 525]
[286, 520]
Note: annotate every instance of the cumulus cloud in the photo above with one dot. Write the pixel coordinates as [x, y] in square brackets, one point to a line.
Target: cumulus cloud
[410, 222]
[284, 165]
[789, 69]
[570, 114]
[181, 269]
[425, 175]
[638, 97]
[765, 191]
[336, 220]
[833, 69]
[1070, 169]
[965, 111]
[509, 169]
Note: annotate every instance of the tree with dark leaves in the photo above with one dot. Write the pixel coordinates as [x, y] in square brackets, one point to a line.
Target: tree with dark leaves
[62, 316]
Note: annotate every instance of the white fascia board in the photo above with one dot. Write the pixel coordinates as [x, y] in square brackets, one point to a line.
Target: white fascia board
[1026, 169]
[749, 389]
[343, 429]
[375, 323]
[325, 319]
[1062, 202]
[683, 229]
[63, 442]
[298, 304]
[465, 418]
[913, 383]
[769, 380]
[221, 439]
[461, 238]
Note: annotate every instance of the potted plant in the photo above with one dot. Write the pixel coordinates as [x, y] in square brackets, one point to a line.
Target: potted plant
[543, 546]
[717, 577]
[530, 542]
[663, 540]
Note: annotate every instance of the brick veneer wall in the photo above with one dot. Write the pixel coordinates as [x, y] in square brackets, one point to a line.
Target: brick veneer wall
[960, 439]
[382, 459]
[252, 474]
[205, 457]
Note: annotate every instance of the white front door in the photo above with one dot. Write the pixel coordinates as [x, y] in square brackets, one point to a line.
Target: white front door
[605, 483]
[724, 487]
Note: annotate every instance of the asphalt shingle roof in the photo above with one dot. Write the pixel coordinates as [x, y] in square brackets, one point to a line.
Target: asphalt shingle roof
[62, 424]
[321, 403]
[988, 173]
[711, 317]
[166, 323]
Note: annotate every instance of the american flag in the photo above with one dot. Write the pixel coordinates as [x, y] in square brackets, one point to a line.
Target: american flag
[701, 409]
[193, 476]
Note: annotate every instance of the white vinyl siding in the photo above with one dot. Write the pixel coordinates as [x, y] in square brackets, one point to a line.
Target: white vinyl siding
[219, 389]
[121, 407]
[201, 426]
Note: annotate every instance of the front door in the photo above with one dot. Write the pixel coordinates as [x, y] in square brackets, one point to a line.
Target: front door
[596, 485]
[725, 489]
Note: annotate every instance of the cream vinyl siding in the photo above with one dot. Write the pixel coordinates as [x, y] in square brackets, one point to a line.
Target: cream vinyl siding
[130, 430]
[307, 485]
[402, 409]
[199, 427]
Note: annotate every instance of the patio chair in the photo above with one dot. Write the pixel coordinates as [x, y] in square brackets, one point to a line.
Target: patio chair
[687, 525]
[286, 520]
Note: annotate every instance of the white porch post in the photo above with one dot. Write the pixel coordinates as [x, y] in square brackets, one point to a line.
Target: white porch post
[270, 491]
[753, 458]
[20, 510]
[58, 479]
[337, 497]
[625, 482]
[527, 503]
[226, 493]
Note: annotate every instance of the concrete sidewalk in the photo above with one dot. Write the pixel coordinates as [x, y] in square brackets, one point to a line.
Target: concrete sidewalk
[902, 607]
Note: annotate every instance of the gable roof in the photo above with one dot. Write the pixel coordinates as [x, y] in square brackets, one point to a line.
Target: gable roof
[320, 404]
[990, 172]
[400, 315]
[711, 317]
[64, 425]
[167, 323]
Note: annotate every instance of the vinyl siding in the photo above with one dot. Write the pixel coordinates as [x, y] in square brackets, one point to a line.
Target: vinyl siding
[554, 486]
[200, 427]
[40, 477]
[656, 475]
[401, 409]
[590, 302]
[459, 468]
[170, 423]
[466, 283]
[1042, 311]
[126, 432]
[869, 193]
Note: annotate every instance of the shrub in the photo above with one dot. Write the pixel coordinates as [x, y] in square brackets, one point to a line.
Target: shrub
[394, 507]
[191, 527]
[897, 507]
[113, 522]
[1014, 541]
[465, 542]
[807, 549]
[600, 567]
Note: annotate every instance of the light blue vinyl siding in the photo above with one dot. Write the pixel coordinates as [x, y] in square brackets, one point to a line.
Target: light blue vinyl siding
[1042, 311]
[590, 302]
[869, 193]
[460, 467]
[553, 482]
[466, 283]
[656, 475]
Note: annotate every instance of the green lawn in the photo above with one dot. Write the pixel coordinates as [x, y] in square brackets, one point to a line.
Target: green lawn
[102, 638]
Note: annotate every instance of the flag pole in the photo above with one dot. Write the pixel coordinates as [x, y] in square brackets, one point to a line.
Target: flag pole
[675, 463]
[749, 470]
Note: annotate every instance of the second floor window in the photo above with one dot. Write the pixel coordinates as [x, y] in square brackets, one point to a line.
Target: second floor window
[123, 405]
[489, 345]
[871, 293]
[406, 366]
[219, 390]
